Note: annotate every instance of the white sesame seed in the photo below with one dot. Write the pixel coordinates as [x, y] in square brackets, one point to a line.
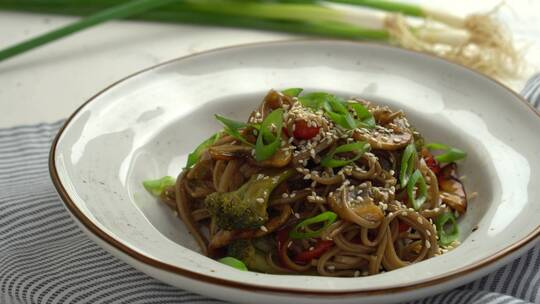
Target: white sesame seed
[297, 215]
[428, 244]
[285, 195]
[419, 220]
[331, 267]
[263, 228]
[259, 200]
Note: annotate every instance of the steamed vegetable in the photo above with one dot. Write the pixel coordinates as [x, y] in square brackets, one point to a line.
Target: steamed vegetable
[244, 208]
[253, 258]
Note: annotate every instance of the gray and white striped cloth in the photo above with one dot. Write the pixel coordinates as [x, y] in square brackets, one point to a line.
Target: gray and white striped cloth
[45, 258]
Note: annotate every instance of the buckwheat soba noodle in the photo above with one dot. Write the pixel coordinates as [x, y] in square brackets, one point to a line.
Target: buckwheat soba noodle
[315, 184]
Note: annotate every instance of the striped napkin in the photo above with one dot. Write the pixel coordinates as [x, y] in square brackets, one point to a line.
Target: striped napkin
[45, 258]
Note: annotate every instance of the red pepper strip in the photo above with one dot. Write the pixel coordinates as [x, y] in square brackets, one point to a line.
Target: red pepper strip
[403, 226]
[431, 162]
[303, 131]
[319, 249]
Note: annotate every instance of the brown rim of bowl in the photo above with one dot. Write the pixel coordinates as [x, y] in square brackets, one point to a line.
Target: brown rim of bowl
[89, 225]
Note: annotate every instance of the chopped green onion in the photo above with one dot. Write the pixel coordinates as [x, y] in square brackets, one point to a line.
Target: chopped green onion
[292, 92]
[233, 262]
[193, 157]
[273, 123]
[447, 236]
[232, 127]
[417, 198]
[365, 118]
[327, 217]
[358, 147]
[408, 161]
[157, 186]
[336, 110]
[450, 154]
[315, 100]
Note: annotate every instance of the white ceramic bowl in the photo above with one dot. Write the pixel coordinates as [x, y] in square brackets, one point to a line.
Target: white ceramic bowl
[145, 125]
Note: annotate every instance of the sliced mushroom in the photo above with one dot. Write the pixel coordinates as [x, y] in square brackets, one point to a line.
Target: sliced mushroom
[432, 185]
[272, 101]
[399, 137]
[357, 204]
[383, 115]
[280, 159]
[452, 191]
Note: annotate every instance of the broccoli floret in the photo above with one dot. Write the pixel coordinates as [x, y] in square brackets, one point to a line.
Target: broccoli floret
[245, 251]
[244, 208]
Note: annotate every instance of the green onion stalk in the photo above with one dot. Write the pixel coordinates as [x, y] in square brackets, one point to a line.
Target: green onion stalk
[470, 42]
[483, 44]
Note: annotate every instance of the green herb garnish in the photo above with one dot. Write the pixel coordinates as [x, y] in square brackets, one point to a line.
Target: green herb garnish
[315, 100]
[327, 217]
[408, 164]
[193, 157]
[417, 198]
[233, 262]
[364, 117]
[232, 128]
[338, 112]
[450, 154]
[156, 186]
[269, 139]
[292, 92]
[443, 222]
[359, 148]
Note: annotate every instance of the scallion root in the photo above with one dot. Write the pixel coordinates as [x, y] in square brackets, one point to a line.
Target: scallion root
[486, 46]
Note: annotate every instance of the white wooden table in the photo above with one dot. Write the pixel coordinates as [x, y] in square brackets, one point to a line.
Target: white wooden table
[49, 83]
